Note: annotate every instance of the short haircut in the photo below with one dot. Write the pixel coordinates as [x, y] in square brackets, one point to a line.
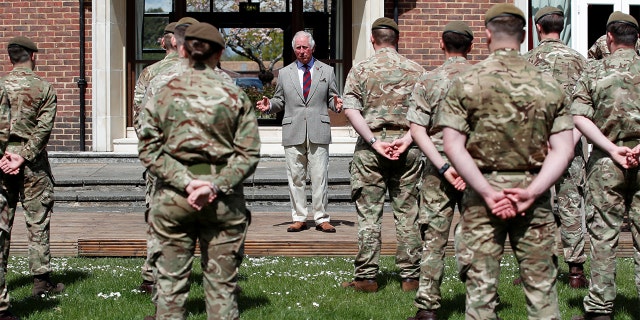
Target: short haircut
[18, 54]
[456, 42]
[167, 41]
[552, 23]
[623, 33]
[385, 36]
[303, 34]
[178, 33]
[507, 27]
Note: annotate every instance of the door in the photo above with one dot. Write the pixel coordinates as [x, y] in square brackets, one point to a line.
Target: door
[592, 16]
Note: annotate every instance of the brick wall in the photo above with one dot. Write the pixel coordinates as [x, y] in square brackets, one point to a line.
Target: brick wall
[421, 24]
[54, 27]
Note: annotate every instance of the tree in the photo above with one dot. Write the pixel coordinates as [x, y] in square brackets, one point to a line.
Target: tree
[258, 45]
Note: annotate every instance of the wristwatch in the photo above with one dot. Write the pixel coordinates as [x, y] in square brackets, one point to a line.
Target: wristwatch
[444, 168]
[372, 140]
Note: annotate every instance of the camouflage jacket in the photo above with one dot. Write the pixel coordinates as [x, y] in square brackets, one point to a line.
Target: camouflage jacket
[508, 109]
[145, 78]
[564, 63]
[164, 76]
[608, 93]
[380, 87]
[429, 92]
[600, 50]
[33, 109]
[5, 119]
[198, 118]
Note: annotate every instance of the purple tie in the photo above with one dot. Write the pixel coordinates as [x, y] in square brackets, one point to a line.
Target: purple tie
[306, 81]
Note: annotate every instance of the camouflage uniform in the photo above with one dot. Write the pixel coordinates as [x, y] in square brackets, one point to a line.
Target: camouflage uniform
[438, 197]
[33, 112]
[201, 127]
[599, 48]
[508, 109]
[608, 93]
[566, 65]
[164, 73]
[6, 215]
[379, 87]
[146, 78]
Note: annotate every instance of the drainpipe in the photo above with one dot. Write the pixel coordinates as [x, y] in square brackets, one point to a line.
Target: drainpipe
[82, 82]
[395, 15]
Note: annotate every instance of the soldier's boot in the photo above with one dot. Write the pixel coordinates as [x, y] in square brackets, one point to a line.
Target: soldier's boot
[146, 287]
[410, 284]
[577, 279]
[593, 316]
[42, 285]
[363, 285]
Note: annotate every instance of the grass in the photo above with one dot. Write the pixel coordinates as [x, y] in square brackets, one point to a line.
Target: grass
[279, 288]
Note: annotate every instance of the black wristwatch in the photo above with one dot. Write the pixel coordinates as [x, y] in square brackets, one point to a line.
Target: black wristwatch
[444, 168]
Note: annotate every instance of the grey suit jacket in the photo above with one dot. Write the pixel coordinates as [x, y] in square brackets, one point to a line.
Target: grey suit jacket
[302, 118]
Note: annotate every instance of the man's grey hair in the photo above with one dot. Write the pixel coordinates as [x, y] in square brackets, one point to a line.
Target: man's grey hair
[301, 34]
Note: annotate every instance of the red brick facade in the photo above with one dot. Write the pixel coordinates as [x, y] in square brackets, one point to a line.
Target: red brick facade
[54, 26]
[421, 24]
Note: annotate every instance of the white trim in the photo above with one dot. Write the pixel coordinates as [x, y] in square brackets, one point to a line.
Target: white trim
[108, 84]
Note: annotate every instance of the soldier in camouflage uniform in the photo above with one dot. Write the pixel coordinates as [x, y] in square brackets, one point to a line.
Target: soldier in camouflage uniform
[441, 184]
[508, 134]
[163, 74]
[199, 137]
[147, 74]
[606, 108]
[376, 101]
[599, 49]
[29, 179]
[6, 215]
[566, 65]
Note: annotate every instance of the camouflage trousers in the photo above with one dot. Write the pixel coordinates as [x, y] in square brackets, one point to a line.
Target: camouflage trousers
[150, 181]
[6, 218]
[371, 176]
[33, 187]
[611, 193]
[438, 199]
[480, 237]
[569, 211]
[220, 229]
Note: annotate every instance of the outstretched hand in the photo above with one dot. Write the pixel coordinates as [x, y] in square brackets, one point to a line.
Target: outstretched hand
[263, 105]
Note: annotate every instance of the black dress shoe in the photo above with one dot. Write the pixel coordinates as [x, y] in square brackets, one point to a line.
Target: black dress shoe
[424, 314]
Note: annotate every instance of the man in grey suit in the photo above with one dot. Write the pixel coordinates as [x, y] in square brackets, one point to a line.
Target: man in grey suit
[306, 89]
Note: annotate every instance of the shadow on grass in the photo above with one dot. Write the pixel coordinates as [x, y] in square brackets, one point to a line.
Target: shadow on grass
[30, 305]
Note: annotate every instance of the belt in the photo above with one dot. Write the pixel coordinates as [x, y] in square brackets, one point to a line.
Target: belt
[510, 172]
[390, 131]
[200, 169]
[629, 142]
[16, 141]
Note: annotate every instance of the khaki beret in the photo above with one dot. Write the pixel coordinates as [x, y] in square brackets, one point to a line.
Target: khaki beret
[170, 28]
[618, 16]
[385, 23]
[24, 42]
[458, 27]
[501, 10]
[186, 20]
[543, 12]
[204, 31]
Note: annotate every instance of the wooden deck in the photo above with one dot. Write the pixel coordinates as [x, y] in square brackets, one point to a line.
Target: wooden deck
[122, 233]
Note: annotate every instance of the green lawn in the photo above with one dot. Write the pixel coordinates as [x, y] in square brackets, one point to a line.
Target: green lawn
[278, 288]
